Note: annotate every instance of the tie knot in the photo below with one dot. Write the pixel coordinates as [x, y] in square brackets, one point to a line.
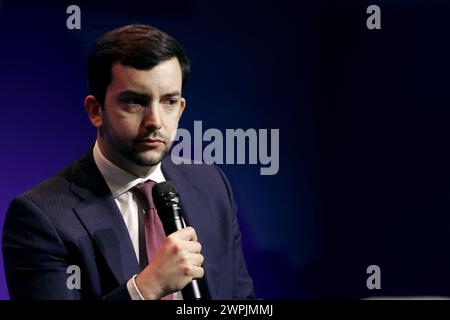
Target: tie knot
[143, 192]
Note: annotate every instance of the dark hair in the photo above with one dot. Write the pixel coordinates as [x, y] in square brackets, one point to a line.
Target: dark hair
[138, 46]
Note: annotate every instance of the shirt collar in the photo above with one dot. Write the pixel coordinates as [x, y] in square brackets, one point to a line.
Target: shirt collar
[118, 180]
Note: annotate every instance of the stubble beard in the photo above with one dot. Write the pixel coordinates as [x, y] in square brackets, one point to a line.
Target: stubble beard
[128, 150]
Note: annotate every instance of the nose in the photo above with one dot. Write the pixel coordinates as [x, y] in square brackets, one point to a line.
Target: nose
[152, 120]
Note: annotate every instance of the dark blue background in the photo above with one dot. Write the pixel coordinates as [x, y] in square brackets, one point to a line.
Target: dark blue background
[364, 176]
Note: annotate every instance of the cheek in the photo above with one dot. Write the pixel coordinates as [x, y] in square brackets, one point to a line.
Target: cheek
[171, 124]
[124, 125]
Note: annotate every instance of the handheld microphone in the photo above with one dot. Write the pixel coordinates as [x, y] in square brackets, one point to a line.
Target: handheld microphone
[167, 203]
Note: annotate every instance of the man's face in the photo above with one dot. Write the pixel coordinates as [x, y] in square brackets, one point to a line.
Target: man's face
[141, 112]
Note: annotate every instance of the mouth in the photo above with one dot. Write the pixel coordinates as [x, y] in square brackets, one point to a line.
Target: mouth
[150, 142]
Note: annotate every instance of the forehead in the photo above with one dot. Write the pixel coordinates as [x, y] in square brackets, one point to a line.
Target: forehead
[165, 76]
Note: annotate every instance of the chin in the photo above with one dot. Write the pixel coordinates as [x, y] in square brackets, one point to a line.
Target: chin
[149, 158]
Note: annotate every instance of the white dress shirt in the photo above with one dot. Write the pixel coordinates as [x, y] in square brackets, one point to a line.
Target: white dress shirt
[120, 183]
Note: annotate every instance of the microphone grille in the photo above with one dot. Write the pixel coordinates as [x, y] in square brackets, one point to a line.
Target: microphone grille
[163, 188]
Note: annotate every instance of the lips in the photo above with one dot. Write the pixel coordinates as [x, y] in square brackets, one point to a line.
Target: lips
[150, 142]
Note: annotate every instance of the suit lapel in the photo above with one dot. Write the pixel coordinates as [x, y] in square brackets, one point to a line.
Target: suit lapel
[195, 210]
[102, 219]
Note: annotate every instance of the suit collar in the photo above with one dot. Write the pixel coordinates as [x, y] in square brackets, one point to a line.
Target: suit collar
[86, 180]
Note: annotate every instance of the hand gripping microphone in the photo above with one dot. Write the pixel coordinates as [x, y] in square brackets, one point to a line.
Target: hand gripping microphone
[167, 203]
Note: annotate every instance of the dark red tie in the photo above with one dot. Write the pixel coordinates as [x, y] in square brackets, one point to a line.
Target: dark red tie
[153, 228]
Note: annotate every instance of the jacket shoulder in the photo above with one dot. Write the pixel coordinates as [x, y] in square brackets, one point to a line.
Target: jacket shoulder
[50, 193]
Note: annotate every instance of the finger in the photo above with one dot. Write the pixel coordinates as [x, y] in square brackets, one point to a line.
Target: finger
[195, 272]
[187, 234]
[193, 246]
[195, 259]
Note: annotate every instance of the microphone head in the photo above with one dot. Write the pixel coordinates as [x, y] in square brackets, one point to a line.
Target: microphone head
[167, 203]
[162, 188]
[165, 196]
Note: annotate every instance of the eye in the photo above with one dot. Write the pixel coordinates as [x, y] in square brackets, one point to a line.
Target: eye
[135, 101]
[171, 102]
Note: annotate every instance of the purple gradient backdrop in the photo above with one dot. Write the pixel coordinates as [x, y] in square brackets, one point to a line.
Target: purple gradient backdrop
[363, 119]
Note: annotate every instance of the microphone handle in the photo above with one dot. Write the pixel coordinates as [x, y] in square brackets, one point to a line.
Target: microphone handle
[192, 290]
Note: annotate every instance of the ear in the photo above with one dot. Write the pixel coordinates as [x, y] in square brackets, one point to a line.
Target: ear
[94, 111]
[182, 106]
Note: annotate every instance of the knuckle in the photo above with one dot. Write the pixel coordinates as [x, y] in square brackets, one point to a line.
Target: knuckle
[171, 239]
[177, 247]
[184, 259]
[187, 270]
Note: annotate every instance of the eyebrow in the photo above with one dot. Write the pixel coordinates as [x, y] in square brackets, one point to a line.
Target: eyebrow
[132, 94]
[142, 95]
[172, 94]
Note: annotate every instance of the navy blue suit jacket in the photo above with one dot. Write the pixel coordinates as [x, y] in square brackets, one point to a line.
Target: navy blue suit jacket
[72, 219]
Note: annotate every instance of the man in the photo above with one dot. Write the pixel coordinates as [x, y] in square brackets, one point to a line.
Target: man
[91, 214]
